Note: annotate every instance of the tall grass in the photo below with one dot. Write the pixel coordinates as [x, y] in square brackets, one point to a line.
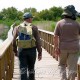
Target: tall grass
[4, 35]
[8, 22]
[45, 25]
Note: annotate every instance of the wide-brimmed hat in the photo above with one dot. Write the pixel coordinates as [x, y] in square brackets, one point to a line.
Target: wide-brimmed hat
[69, 11]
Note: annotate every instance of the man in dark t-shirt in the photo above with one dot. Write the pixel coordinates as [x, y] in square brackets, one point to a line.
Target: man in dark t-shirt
[66, 41]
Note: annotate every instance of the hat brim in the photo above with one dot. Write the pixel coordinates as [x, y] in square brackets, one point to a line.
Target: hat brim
[66, 13]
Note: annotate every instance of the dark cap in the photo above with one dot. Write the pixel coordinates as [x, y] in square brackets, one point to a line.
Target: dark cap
[27, 15]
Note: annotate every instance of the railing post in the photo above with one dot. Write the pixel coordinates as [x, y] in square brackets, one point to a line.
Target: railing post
[47, 40]
[12, 60]
[7, 58]
[0, 69]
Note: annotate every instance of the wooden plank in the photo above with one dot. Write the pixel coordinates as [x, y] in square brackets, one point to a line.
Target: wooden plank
[46, 69]
[0, 69]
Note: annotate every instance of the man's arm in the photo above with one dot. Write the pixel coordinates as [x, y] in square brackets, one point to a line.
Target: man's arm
[56, 47]
[15, 34]
[56, 41]
[38, 42]
[56, 35]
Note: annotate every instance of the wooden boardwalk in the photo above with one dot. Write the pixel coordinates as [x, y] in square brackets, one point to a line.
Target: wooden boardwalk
[46, 69]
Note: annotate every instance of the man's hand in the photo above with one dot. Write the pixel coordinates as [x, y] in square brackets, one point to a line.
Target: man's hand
[57, 50]
[16, 53]
[56, 53]
[39, 57]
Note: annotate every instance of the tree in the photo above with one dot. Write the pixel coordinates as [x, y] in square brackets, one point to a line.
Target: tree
[53, 13]
[57, 12]
[32, 10]
[1, 16]
[44, 15]
[19, 15]
[10, 13]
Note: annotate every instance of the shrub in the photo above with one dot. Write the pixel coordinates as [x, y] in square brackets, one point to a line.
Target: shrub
[53, 26]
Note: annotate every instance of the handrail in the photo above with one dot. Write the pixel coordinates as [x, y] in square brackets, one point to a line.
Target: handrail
[6, 58]
[47, 40]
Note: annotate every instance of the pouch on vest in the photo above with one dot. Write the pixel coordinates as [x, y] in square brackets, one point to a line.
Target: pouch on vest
[25, 37]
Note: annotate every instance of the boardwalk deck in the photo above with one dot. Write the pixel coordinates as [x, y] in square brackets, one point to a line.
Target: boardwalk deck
[46, 69]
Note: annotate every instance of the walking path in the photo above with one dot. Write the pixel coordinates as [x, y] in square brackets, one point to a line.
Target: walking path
[46, 69]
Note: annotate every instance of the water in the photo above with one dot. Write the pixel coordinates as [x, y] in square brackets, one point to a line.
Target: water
[1, 41]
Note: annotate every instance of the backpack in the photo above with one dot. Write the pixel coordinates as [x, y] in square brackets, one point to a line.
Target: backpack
[25, 37]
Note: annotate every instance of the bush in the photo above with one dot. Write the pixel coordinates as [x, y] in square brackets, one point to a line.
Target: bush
[4, 35]
[53, 26]
[78, 19]
[7, 22]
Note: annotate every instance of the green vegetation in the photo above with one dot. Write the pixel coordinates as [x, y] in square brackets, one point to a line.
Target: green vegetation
[4, 35]
[45, 19]
[7, 22]
[11, 14]
[46, 25]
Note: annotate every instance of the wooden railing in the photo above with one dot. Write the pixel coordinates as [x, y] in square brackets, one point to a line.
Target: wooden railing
[6, 58]
[47, 41]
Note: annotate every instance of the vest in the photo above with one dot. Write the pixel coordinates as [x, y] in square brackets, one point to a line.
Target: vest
[25, 37]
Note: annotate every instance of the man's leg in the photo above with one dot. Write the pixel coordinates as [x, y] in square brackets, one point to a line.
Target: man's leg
[72, 65]
[62, 64]
[31, 64]
[23, 65]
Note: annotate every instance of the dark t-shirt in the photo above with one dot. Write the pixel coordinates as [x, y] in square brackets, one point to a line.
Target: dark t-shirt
[68, 31]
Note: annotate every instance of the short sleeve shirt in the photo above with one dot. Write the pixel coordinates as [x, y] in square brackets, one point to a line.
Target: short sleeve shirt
[68, 31]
